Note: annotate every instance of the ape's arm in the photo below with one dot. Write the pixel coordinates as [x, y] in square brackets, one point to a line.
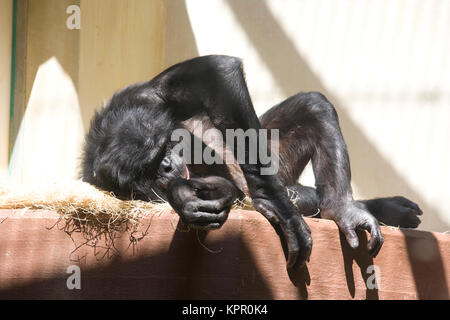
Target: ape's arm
[216, 85]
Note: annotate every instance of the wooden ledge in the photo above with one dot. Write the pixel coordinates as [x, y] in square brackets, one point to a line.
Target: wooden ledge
[244, 260]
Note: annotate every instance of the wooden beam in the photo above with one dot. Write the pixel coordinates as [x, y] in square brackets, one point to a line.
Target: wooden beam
[242, 260]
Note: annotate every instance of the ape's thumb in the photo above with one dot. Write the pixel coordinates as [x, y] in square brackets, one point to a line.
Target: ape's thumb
[351, 237]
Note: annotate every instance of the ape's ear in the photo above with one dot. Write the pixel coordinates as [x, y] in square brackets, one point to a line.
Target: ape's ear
[118, 176]
[103, 175]
[108, 177]
[124, 179]
[157, 135]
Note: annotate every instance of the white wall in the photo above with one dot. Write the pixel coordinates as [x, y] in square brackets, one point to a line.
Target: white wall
[70, 72]
[384, 64]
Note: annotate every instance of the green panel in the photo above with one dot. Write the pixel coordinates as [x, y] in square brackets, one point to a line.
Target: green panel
[13, 79]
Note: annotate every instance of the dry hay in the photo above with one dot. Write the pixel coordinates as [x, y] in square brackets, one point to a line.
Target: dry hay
[98, 215]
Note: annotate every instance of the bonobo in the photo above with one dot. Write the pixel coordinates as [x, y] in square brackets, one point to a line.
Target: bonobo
[129, 150]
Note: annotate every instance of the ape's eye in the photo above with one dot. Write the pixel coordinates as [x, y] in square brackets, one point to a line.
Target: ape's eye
[166, 165]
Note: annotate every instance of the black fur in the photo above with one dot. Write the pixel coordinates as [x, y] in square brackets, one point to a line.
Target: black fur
[128, 152]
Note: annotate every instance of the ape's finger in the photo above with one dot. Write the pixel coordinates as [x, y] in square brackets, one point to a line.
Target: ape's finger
[412, 221]
[220, 217]
[416, 208]
[190, 214]
[298, 256]
[376, 239]
[294, 230]
[213, 206]
[209, 226]
[351, 237]
[292, 243]
[299, 241]
[292, 258]
[408, 204]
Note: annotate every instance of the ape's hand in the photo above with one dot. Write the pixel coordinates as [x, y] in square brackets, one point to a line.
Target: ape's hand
[352, 216]
[202, 203]
[295, 231]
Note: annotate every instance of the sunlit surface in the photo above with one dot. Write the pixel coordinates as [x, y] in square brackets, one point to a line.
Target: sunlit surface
[384, 64]
[47, 148]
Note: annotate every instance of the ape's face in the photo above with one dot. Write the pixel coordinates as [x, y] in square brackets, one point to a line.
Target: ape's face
[132, 176]
[128, 152]
[172, 166]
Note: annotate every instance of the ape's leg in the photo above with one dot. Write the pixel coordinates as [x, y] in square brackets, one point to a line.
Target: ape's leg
[392, 211]
[305, 199]
[310, 124]
[215, 85]
[299, 123]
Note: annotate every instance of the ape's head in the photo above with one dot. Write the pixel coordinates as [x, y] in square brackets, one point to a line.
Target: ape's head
[127, 150]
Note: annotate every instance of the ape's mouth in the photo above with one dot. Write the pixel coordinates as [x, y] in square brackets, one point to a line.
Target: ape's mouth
[186, 174]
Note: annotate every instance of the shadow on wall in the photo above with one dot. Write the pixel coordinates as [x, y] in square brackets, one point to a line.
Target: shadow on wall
[420, 252]
[51, 130]
[179, 33]
[187, 270]
[184, 271]
[39, 23]
[293, 74]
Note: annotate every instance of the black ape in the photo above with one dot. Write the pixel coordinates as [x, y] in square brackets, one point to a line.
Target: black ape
[129, 151]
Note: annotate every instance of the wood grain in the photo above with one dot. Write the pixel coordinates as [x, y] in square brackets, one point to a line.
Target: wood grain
[245, 261]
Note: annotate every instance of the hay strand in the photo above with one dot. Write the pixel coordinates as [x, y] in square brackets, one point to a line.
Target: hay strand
[98, 215]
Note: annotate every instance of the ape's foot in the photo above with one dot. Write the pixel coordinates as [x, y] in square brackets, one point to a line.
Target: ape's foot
[305, 199]
[352, 216]
[395, 211]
